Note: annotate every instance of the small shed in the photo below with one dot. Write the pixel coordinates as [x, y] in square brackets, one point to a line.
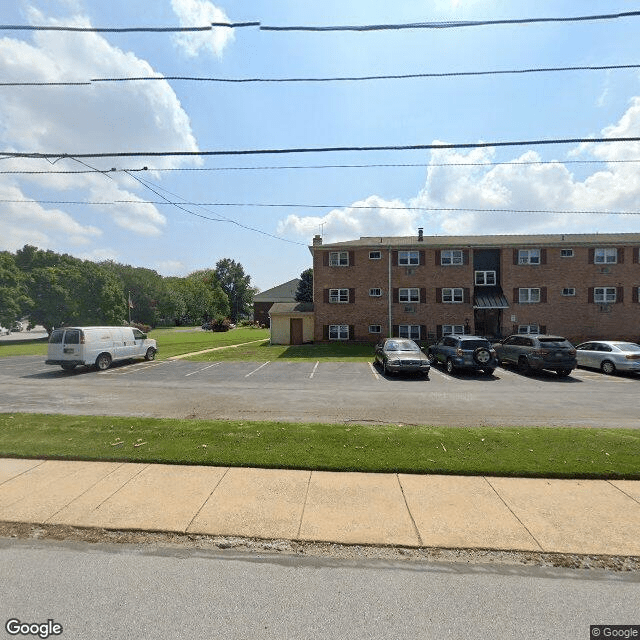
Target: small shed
[262, 302]
[291, 322]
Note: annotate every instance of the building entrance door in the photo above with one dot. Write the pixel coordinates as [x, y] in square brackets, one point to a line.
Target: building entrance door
[295, 330]
[487, 322]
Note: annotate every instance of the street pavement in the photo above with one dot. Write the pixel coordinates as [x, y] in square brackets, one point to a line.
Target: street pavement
[594, 517]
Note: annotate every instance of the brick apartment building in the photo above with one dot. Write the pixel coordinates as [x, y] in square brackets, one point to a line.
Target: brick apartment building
[582, 286]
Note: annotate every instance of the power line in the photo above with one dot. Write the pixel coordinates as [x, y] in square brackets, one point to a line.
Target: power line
[366, 27]
[185, 203]
[405, 76]
[241, 152]
[329, 166]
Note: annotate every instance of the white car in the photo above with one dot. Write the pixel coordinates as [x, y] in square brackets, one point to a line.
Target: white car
[609, 355]
[4, 332]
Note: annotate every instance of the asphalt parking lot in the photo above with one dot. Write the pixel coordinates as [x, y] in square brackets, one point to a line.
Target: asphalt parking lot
[320, 392]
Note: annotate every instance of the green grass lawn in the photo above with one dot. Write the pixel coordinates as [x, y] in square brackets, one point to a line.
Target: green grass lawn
[521, 452]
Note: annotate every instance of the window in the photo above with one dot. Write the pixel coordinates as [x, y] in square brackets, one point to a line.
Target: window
[448, 329]
[528, 328]
[452, 295]
[529, 256]
[569, 291]
[451, 256]
[338, 332]
[406, 258]
[375, 293]
[375, 255]
[605, 256]
[409, 295]
[485, 278]
[528, 295]
[338, 258]
[409, 331]
[375, 328]
[566, 253]
[338, 295]
[604, 295]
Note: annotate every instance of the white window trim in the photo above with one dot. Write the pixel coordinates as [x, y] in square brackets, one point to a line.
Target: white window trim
[526, 329]
[339, 297]
[412, 295]
[373, 290]
[605, 296]
[338, 261]
[340, 331]
[484, 282]
[601, 255]
[528, 297]
[452, 329]
[411, 331]
[408, 258]
[568, 253]
[454, 293]
[377, 257]
[375, 328]
[451, 257]
[529, 256]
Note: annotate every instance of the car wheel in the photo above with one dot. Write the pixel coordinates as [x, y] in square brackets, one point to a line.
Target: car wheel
[103, 361]
[563, 373]
[449, 366]
[482, 356]
[151, 354]
[67, 366]
[523, 365]
[608, 367]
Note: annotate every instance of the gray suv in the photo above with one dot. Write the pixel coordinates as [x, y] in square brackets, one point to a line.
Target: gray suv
[534, 352]
[463, 352]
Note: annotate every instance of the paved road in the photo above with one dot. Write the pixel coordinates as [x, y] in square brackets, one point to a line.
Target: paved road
[129, 591]
[325, 392]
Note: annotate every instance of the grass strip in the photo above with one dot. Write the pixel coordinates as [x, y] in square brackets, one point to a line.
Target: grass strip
[517, 452]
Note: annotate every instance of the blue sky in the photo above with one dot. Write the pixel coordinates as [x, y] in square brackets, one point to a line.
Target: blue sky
[349, 202]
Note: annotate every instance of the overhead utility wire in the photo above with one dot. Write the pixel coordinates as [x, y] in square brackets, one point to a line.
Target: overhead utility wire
[405, 76]
[222, 218]
[332, 166]
[366, 27]
[243, 152]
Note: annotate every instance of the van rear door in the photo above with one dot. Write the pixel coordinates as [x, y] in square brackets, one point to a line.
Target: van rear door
[54, 350]
[71, 347]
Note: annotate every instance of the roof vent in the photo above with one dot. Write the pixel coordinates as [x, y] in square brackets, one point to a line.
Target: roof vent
[420, 234]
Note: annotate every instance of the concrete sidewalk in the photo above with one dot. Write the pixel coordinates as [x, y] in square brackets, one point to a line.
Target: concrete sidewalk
[595, 517]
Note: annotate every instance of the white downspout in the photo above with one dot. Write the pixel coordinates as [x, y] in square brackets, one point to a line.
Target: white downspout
[390, 297]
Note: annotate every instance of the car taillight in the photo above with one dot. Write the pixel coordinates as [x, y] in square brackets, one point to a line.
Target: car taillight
[635, 356]
[572, 352]
[459, 352]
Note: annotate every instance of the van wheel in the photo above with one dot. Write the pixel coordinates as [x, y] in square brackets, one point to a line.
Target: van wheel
[151, 354]
[103, 361]
[68, 366]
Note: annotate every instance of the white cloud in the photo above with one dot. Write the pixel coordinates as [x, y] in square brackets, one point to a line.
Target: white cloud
[477, 183]
[199, 13]
[368, 217]
[96, 118]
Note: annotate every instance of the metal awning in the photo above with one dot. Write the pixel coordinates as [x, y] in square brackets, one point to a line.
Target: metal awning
[490, 301]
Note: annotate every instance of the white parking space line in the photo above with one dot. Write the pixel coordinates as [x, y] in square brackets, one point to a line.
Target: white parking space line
[441, 374]
[314, 369]
[376, 375]
[134, 368]
[193, 373]
[258, 369]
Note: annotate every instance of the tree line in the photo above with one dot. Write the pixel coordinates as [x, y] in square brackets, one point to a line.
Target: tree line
[53, 290]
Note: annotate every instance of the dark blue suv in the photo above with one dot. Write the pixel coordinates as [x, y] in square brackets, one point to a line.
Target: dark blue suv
[463, 352]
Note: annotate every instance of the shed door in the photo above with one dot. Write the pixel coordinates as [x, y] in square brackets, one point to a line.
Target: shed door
[295, 328]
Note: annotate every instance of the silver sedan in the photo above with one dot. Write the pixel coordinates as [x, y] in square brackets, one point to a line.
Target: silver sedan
[609, 356]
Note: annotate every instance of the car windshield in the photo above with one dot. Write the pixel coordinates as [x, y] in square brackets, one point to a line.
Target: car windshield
[402, 345]
[628, 346]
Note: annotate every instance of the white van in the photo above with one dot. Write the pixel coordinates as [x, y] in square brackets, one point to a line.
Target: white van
[99, 346]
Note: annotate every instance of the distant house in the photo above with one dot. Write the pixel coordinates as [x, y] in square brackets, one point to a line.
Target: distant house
[291, 322]
[282, 293]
